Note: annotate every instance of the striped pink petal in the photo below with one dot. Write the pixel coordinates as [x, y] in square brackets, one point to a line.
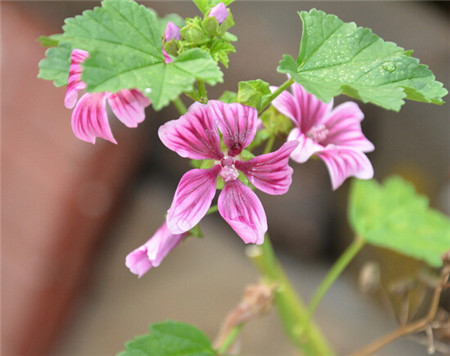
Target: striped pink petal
[192, 199]
[194, 135]
[270, 172]
[75, 84]
[237, 123]
[306, 146]
[243, 211]
[129, 106]
[153, 251]
[90, 119]
[344, 162]
[344, 127]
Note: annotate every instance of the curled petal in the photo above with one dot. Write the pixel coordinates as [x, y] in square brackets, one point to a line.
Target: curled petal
[90, 119]
[153, 251]
[129, 106]
[237, 123]
[344, 127]
[192, 199]
[270, 172]
[75, 84]
[194, 135]
[345, 162]
[220, 12]
[172, 32]
[306, 146]
[285, 103]
[243, 211]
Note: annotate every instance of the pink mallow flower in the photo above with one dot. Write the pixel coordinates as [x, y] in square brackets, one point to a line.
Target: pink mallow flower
[153, 251]
[90, 117]
[172, 32]
[220, 12]
[195, 135]
[334, 135]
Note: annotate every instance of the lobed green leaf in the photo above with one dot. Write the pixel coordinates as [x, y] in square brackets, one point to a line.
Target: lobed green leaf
[56, 65]
[337, 57]
[170, 339]
[394, 216]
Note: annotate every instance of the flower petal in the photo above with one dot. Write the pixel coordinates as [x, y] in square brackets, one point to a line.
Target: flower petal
[243, 211]
[237, 123]
[270, 172]
[172, 32]
[153, 251]
[220, 12]
[286, 104]
[345, 162]
[75, 84]
[129, 106]
[192, 199]
[194, 135]
[90, 119]
[306, 148]
[344, 127]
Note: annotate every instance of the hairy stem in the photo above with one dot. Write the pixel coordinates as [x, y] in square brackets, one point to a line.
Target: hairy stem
[202, 91]
[179, 105]
[230, 339]
[277, 92]
[306, 336]
[335, 271]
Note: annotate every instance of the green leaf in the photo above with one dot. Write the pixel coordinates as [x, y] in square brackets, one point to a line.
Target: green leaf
[220, 50]
[394, 216]
[50, 41]
[170, 339]
[228, 97]
[337, 57]
[124, 44]
[253, 93]
[56, 65]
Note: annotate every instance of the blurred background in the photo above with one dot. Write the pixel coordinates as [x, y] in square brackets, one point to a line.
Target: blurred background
[72, 211]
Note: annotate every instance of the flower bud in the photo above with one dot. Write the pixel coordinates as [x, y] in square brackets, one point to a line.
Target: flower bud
[220, 12]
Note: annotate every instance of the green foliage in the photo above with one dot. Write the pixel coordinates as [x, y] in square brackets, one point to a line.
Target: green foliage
[56, 64]
[394, 216]
[124, 44]
[253, 93]
[170, 339]
[228, 97]
[337, 57]
[205, 5]
[50, 41]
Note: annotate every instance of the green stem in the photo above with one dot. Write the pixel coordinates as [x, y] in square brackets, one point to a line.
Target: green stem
[305, 335]
[202, 91]
[277, 92]
[269, 144]
[335, 271]
[230, 339]
[212, 209]
[179, 105]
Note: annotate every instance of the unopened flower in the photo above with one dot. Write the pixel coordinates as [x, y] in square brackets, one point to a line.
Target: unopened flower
[195, 135]
[334, 135]
[172, 32]
[220, 12]
[153, 251]
[90, 118]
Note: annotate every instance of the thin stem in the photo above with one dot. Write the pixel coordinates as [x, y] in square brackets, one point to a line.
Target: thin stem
[335, 271]
[269, 144]
[179, 105]
[212, 209]
[307, 337]
[230, 339]
[277, 92]
[202, 91]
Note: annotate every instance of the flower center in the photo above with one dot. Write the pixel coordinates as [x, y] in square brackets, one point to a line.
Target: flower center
[318, 133]
[229, 171]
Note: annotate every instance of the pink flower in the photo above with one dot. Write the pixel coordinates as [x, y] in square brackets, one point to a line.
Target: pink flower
[90, 118]
[153, 251]
[172, 32]
[334, 135]
[195, 135]
[220, 12]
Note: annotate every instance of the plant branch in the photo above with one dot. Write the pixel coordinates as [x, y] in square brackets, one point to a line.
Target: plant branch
[413, 327]
[307, 337]
[277, 92]
[179, 105]
[335, 271]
